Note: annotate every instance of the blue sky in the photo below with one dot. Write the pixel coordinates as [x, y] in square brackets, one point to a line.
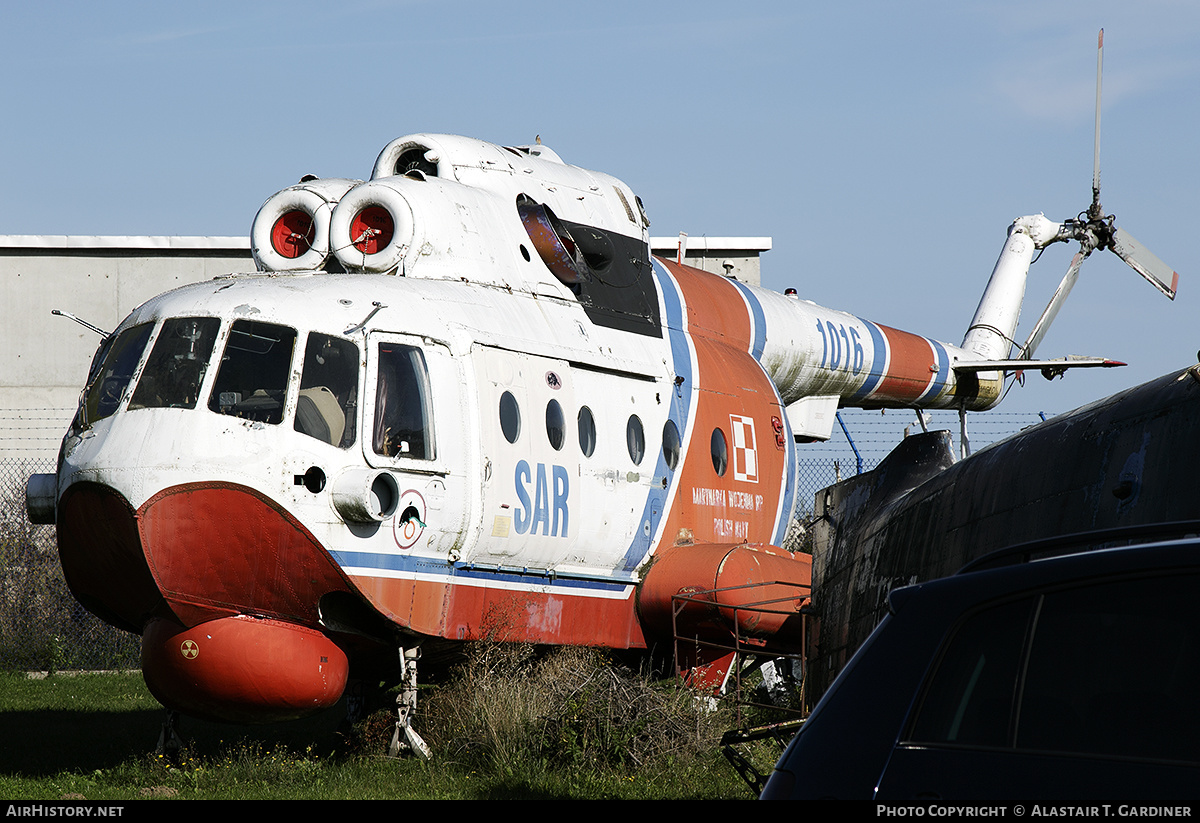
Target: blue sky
[884, 146]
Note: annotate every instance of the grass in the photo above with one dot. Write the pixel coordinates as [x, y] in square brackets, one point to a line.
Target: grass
[513, 724]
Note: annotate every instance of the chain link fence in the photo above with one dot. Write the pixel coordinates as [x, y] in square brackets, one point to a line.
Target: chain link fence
[42, 626]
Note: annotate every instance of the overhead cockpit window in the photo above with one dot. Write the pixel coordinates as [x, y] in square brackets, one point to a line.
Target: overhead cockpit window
[403, 413]
[114, 373]
[328, 399]
[252, 380]
[177, 363]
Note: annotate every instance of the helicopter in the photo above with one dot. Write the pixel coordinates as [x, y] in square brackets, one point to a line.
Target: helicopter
[460, 400]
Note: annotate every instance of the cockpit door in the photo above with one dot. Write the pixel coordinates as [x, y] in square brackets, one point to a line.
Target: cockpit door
[416, 416]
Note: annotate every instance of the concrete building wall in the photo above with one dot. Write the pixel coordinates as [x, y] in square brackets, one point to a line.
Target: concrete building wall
[44, 358]
[736, 257]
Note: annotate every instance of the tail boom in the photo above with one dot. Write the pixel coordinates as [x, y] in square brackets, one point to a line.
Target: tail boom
[809, 350]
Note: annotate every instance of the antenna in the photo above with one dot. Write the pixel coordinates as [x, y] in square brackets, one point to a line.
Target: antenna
[83, 323]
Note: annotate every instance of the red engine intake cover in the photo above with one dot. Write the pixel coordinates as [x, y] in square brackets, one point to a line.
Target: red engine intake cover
[242, 669]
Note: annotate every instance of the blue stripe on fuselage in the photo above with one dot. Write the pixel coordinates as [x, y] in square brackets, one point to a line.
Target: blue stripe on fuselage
[879, 359]
[758, 334]
[943, 373]
[410, 566]
[684, 367]
[789, 486]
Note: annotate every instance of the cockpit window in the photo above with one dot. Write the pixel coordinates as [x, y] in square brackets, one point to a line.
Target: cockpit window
[176, 366]
[403, 414]
[328, 402]
[253, 376]
[112, 376]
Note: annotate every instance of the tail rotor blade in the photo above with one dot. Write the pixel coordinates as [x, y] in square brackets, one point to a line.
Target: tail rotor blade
[1145, 263]
[1096, 147]
[1060, 296]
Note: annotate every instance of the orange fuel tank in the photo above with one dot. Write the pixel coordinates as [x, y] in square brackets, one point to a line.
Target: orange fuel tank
[756, 588]
[242, 669]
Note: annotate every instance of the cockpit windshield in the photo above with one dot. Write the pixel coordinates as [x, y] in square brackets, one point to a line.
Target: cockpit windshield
[253, 376]
[177, 363]
[115, 370]
[252, 379]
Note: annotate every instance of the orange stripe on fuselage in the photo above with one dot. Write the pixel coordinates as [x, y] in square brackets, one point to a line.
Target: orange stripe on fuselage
[721, 508]
[472, 610]
[715, 308]
[910, 369]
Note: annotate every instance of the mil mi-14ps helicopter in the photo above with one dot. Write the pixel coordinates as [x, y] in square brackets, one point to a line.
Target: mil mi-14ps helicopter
[461, 400]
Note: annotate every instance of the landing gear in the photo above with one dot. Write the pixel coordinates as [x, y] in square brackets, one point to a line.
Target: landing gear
[405, 737]
[169, 741]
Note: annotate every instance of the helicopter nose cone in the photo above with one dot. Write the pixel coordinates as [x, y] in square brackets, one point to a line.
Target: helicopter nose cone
[191, 553]
[219, 549]
[102, 557]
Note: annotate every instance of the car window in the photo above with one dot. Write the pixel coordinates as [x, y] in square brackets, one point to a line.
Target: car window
[970, 698]
[1109, 669]
[1113, 669]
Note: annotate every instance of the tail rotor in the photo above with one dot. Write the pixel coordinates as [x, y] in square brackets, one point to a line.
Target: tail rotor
[1094, 230]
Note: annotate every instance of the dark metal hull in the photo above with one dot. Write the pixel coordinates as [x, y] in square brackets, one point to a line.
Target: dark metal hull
[1127, 460]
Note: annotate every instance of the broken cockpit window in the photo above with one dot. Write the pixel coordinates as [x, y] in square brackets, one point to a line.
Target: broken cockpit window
[403, 414]
[253, 376]
[328, 399]
[177, 363]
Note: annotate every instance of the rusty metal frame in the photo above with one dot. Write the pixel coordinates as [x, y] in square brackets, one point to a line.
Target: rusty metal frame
[743, 645]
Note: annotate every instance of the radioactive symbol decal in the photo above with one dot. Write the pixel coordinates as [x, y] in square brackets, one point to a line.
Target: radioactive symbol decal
[189, 649]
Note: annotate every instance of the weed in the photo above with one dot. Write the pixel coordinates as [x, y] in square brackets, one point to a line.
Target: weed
[513, 706]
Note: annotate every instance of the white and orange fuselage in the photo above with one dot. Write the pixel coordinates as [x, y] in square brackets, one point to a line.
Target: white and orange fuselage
[473, 438]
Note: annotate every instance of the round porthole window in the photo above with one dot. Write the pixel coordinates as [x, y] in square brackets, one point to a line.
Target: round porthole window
[587, 432]
[671, 444]
[635, 439]
[720, 453]
[556, 425]
[510, 417]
